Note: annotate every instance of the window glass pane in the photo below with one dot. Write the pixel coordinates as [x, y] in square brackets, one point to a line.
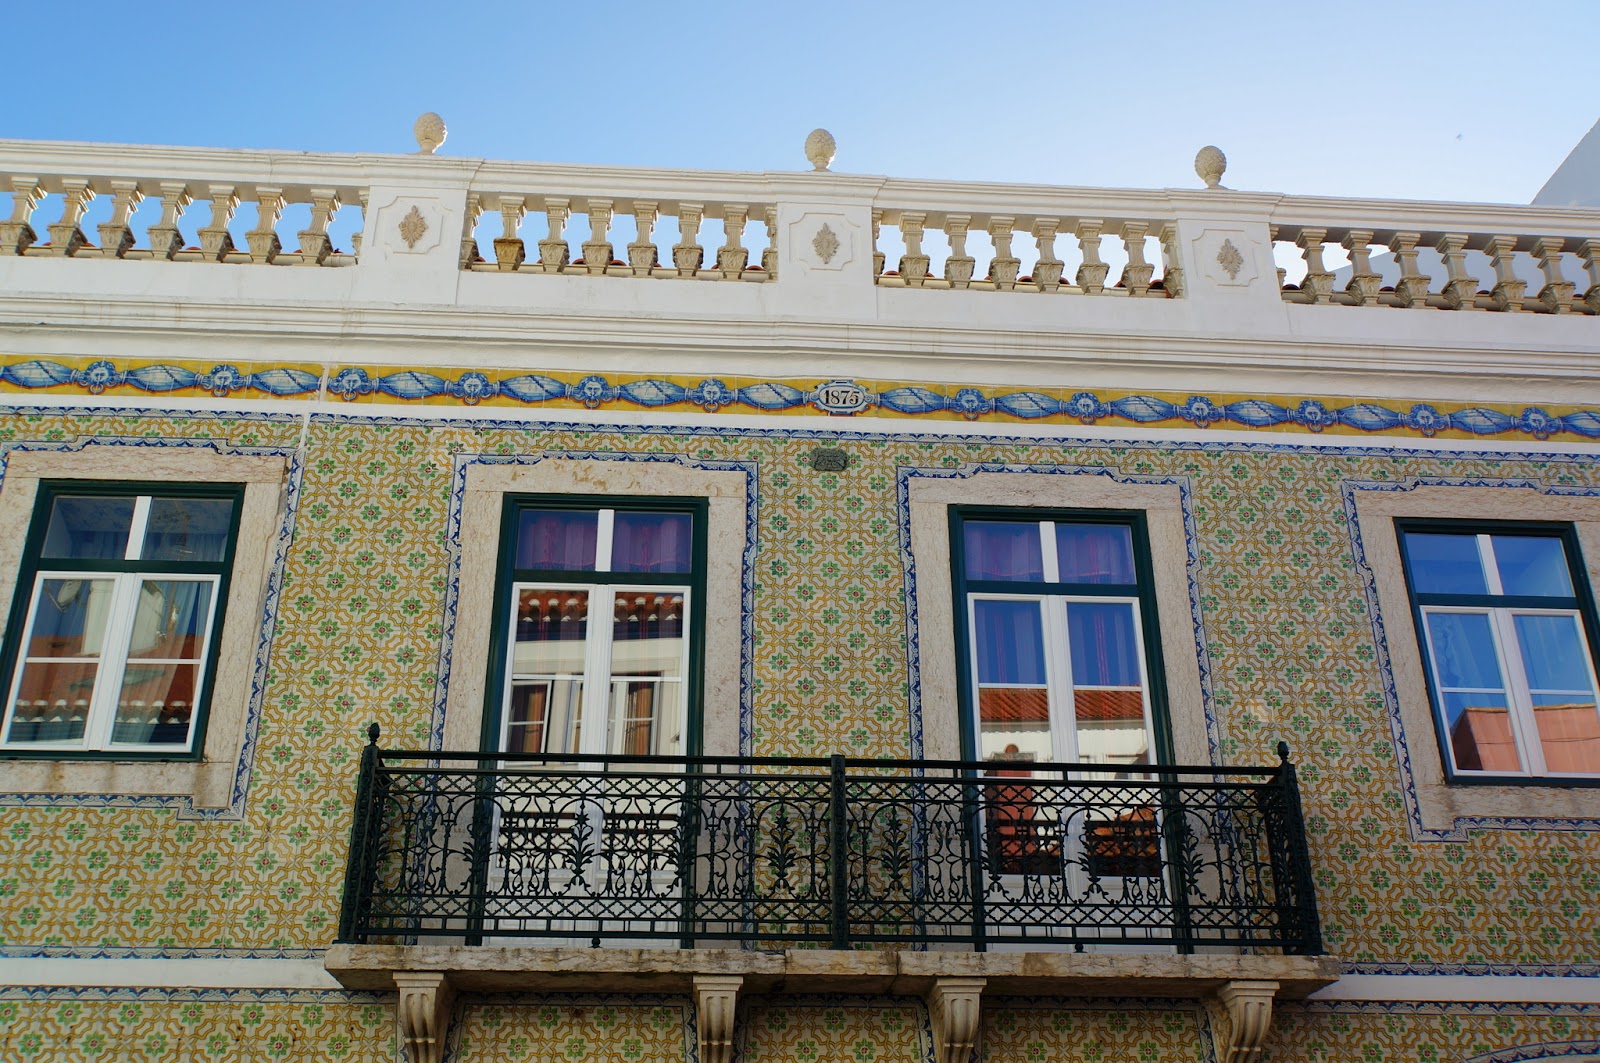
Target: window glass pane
[1111, 728]
[89, 527]
[1480, 732]
[552, 625]
[1009, 637]
[69, 618]
[170, 620]
[535, 725]
[1569, 732]
[187, 529]
[562, 540]
[1095, 553]
[156, 704]
[1532, 564]
[1445, 564]
[52, 702]
[1463, 651]
[1553, 652]
[1105, 648]
[646, 717]
[647, 633]
[1001, 550]
[652, 542]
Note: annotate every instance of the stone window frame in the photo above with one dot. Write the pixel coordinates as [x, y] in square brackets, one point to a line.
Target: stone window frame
[209, 781]
[929, 496]
[485, 484]
[1442, 809]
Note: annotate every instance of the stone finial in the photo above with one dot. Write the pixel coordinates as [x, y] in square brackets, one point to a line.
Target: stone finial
[820, 148]
[1210, 163]
[430, 133]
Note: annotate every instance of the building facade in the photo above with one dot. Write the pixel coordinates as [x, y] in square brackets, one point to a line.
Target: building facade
[720, 564]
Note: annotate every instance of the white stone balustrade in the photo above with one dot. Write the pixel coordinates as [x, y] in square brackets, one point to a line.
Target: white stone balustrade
[864, 268]
[1509, 264]
[48, 211]
[1125, 238]
[694, 256]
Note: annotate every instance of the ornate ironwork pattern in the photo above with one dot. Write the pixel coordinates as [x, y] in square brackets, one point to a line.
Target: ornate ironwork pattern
[484, 847]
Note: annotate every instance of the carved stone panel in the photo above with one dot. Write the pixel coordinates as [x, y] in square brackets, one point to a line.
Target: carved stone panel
[408, 225]
[824, 241]
[1227, 257]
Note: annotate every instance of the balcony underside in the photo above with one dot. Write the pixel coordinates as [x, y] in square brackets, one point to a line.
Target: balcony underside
[481, 968]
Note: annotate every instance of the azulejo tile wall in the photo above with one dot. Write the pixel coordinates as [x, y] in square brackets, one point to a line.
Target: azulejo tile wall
[181, 1026]
[1285, 633]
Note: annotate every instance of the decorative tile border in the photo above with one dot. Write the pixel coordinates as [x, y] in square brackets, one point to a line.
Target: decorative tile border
[840, 397]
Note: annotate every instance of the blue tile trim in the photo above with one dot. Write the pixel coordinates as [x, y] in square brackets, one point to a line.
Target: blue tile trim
[184, 805]
[222, 381]
[159, 993]
[747, 569]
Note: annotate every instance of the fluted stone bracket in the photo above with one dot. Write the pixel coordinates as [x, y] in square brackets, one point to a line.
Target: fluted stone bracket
[716, 1002]
[954, 1011]
[1241, 1015]
[423, 1013]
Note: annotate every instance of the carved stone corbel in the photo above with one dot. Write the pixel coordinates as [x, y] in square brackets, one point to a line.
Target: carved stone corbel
[954, 1011]
[716, 1000]
[1241, 1015]
[423, 1013]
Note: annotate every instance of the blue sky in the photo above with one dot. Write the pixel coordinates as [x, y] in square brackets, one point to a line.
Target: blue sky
[1467, 100]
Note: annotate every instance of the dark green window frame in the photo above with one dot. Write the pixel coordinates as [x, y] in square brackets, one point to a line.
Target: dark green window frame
[23, 600]
[1143, 589]
[1581, 601]
[507, 575]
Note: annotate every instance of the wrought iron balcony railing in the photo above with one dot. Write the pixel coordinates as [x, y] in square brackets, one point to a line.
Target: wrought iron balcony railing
[474, 848]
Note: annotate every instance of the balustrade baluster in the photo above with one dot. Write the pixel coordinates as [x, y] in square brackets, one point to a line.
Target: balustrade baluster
[877, 253]
[355, 237]
[116, 235]
[1004, 266]
[1137, 273]
[554, 254]
[1172, 261]
[687, 254]
[315, 245]
[263, 239]
[1589, 251]
[958, 266]
[913, 264]
[66, 238]
[1283, 274]
[17, 235]
[1364, 281]
[469, 231]
[1091, 276]
[1317, 287]
[215, 239]
[1556, 295]
[597, 249]
[1047, 269]
[642, 253]
[733, 256]
[1508, 290]
[1411, 290]
[1460, 287]
[509, 250]
[769, 254]
[165, 237]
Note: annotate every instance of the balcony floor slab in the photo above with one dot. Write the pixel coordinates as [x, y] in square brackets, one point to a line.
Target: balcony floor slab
[478, 968]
